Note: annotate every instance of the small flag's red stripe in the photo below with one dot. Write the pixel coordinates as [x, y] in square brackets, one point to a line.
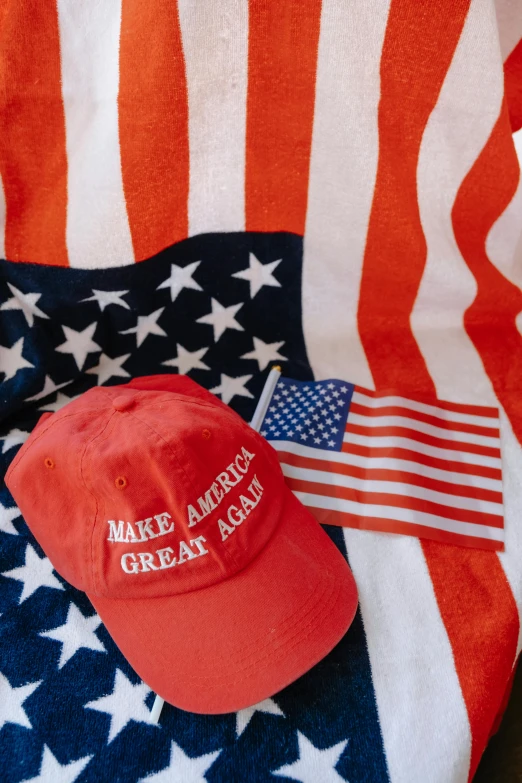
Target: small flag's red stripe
[426, 399]
[455, 426]
[422, 437]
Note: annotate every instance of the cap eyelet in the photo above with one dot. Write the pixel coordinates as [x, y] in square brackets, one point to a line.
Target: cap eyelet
[120, 482]
[206, 434]
[48, 462]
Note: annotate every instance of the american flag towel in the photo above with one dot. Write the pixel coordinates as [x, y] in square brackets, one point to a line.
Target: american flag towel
[380, 461]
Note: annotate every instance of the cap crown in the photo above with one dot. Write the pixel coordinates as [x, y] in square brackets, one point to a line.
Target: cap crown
[143, 493]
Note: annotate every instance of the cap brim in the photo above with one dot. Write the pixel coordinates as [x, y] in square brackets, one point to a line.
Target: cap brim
[231, 645]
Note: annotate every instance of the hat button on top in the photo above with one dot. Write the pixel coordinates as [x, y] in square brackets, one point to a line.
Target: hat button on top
[122, 403]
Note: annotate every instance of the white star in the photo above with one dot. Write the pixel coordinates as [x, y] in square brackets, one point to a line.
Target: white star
[6, 519]
[14, 438]
[331, 386]
[243, 717]
[264, 353]
[259, 274]
[11, 700]
[76, 632]
[303, 437]
[222, 318]
[49, 387]
[337, 416]
[317, 440]
[147, 324]
[180, 278]
[11, 359]
[314, 764]
[187, 360]
[183, 768]
[125, 703]
[109, 368]
[105, 298]
[79, 344]
[24, 302]
[34, 573]
[52, 770]
[331, 443]
[60, 401]
[344, 389]
[232, 387]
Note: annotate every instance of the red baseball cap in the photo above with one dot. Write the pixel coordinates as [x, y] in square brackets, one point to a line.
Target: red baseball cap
[172, 514]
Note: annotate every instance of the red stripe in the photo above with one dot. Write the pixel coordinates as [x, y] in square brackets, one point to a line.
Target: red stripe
[380, 474]
[341, 519]
[426, 399]
[153, 122]
[513, 86]
[282, 59]
[395, 501]
[33, 161]
[416, 456]
[422, 437]
[455, 426]
[490, 324]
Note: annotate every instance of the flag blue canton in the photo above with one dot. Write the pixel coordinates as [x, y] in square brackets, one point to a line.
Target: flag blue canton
[312, 413]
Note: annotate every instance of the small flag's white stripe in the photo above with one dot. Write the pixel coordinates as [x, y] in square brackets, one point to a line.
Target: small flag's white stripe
[388, 463]
[422, 407]
[391, 442]
[492, 440]
[401, 515]
[402, 490]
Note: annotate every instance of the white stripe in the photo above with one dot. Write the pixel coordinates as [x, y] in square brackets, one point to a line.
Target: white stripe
[422, 713]
[388, 463]
[504, 242]
[458, 436]
[2, 219]
[392, 442]
[215, 46]
[421, 407]
[98, 233]
[398, 488]
[401, 515]
[509, 20]
[343, 167]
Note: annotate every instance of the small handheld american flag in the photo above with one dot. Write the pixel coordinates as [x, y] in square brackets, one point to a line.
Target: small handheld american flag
[380, 461]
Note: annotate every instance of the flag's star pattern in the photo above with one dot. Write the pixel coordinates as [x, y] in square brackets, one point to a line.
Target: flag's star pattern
[76, 632]
[79, 343]
[108, 368]
[259, 274]
[14, 438]
[7, 514]
[24, 302]
[222, 318]
[60, 401]
[106, 298]
[36, 572]
[183, 768]
[147, 324]
[49, 388]
[52, 770]
[125, 703]
[265, 353]
[181, 277]
[11, 702]
[11, 359]
[186, 361]
[243, 717]
[313, 764]
[230, 387]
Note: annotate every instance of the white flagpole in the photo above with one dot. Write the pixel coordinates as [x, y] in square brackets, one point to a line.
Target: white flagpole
[257, 418]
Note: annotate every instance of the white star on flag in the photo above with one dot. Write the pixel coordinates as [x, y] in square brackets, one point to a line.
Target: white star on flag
[76, 632]
[24, 302]
[259, 274]
[79, 344]
[52, 770]
[125, 703]
[264, 353]
[180, 278]
[105, 298]
[221, 318]
[243, 717]
[147, 324]
[7, 514]
[49, 388]
[109, 368]
[60, 401]
[313, 764]
[11, 700]
[36, 572]
[187, 360]
[232, 387]
[14, 438]
[183, 768]
[11, 359]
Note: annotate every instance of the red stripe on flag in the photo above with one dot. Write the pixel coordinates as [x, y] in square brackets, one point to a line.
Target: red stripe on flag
[282, 60]
[513, 86]
[421, 437]
[153, 123]
[454, 407]
[454, 426]
[33, 160]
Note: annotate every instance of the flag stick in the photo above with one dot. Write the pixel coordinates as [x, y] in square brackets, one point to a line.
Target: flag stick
[257, 418]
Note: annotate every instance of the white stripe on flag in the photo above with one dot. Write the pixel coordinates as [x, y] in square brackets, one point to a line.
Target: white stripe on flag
[428, 429]
[360, 397]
